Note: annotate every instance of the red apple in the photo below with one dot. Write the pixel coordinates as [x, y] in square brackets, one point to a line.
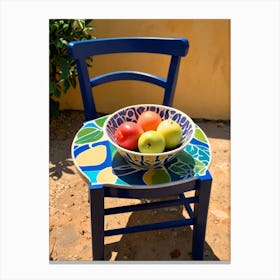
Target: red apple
[127, 135]
[149, 120]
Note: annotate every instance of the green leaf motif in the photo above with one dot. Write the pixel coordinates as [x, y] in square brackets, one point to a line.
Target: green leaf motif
[184, 165]
[200, 136]
[88, 135]
[200, 168]
[100, 121]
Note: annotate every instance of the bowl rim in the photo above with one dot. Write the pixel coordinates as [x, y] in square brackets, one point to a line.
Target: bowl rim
[171, 152]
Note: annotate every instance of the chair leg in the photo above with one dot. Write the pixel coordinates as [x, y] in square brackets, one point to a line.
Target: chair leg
[97, 223]
[200, 218]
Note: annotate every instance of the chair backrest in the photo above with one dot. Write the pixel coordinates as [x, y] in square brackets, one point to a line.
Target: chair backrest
[80, 50]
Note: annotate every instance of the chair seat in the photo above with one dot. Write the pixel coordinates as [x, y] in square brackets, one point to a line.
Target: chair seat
[111, 170]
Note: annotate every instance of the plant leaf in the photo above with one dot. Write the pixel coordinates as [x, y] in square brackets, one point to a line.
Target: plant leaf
[66, 85]
[58, 43]
[52, 87]
[73, 81]
[64, 68]
[57, 91]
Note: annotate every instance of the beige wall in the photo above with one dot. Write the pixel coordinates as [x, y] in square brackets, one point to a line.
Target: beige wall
[203, 87]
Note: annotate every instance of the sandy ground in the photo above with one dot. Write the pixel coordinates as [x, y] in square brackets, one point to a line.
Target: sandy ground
[69, 216]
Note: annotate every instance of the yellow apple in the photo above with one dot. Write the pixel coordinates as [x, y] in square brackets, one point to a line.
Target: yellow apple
[172, 133]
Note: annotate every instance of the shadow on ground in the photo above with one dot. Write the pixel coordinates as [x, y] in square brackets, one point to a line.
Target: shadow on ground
[62, 132]
[60, 166]
[215, 129]
[157, 245]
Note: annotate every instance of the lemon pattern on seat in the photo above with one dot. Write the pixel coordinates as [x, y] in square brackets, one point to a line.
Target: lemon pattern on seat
[156, 176]
[92, 156]
[106, 175]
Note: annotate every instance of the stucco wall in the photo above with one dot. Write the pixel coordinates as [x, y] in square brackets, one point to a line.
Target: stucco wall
[203, 87]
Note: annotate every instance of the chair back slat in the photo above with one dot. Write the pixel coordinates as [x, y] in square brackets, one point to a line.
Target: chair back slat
[128, 75]
[169, 46]
[81, 50]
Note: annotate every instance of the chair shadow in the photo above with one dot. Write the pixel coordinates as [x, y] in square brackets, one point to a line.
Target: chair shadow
[60, 159]
[158, 245]
[60, 166]
[62, 131]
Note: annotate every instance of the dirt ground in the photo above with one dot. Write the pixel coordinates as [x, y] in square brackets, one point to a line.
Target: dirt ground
[69, 215]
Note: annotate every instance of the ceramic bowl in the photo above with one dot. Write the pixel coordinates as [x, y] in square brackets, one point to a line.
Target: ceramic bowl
[131, 113]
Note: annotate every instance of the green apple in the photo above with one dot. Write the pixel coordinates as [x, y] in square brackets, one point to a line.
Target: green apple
[151, 142]
[172, 133]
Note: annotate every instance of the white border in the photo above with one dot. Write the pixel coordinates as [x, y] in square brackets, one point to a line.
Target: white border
[255, 134]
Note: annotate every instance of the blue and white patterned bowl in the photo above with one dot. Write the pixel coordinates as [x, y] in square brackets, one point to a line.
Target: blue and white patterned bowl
[131, 113]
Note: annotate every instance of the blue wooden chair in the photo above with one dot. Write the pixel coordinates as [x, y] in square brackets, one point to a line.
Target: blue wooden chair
[175, 48]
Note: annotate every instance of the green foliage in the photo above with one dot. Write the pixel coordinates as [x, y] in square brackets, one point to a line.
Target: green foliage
[63, 70]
